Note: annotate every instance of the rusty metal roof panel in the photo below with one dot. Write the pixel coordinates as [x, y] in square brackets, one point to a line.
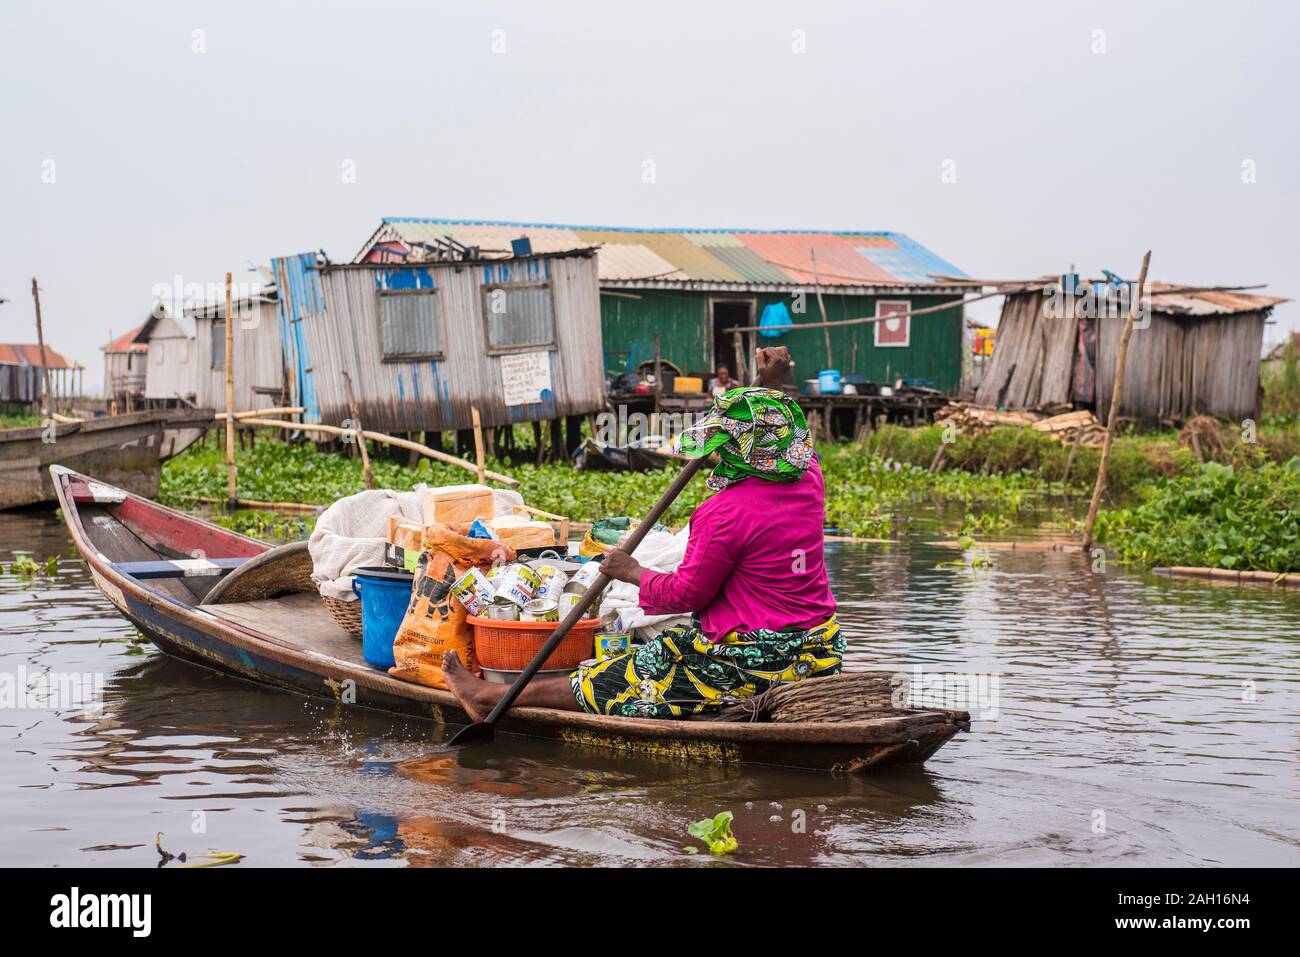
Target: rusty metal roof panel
[126, 343]
[853, 258]
[29, 354]
[1207, 302]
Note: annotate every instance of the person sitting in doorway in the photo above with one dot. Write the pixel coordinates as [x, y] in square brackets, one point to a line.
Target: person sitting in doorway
[722, 381]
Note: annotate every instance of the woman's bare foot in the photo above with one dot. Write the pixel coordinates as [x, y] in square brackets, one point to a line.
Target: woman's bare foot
[474, 694]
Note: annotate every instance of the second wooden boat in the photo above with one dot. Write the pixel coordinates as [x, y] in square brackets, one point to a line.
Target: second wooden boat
[126, 450]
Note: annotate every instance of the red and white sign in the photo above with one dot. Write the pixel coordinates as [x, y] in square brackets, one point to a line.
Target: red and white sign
[893, 332]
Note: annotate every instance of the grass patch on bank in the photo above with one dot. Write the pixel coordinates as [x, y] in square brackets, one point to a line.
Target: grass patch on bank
[25, 420]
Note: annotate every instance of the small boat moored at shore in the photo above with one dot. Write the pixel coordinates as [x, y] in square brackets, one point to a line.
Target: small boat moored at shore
[126, 450]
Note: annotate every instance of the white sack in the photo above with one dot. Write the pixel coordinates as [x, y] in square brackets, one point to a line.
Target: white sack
[661, 552]
[352, 533]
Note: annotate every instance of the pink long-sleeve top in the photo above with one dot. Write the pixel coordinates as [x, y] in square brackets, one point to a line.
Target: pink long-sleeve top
[753, 560]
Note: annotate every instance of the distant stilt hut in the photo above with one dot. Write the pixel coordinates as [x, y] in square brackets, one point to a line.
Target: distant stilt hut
[170, 378]
[1195, 352]
[258, 357]
[517, 337]
[125, 362]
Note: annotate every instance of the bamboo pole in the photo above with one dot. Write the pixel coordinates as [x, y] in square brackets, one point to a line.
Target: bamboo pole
[787, 326]
[659, 387]
[47, 403]
[478, 442]
[1112, 414]
[231, 497]
[293, 507]
[384, 439]
[259, 413]
[817, 285]
[366, 473]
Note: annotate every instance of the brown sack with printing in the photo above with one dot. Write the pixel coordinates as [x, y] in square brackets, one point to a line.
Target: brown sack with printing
[435, 619]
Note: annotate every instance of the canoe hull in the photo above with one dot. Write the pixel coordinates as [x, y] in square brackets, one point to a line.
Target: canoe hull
[288, 659]
[125, 451]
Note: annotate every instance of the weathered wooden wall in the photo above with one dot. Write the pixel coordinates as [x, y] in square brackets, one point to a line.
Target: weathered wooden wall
[259, 359]
[171, 370]
[1179, 367]
[408, 395]
[124, 372]
[1032, 361]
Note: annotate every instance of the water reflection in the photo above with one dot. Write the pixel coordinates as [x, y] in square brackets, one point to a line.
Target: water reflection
[1163, 710]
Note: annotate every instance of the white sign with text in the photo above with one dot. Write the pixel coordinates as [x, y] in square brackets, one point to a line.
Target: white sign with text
[525, 376]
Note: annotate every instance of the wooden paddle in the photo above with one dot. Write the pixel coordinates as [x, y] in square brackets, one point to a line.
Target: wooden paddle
[485, 730]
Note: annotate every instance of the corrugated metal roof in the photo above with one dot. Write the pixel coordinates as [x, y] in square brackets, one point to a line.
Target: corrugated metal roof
[29, 354]
[1182, 299]
[126, 343]
[740, 256]
[1207, 302]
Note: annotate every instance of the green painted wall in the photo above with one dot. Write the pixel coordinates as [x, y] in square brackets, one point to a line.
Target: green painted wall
[681, 319]
[629, 326]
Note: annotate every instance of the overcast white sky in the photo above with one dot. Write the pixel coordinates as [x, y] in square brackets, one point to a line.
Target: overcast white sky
[166, 160]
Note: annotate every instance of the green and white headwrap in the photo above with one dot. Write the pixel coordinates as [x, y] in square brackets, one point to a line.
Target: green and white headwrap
[755, 431]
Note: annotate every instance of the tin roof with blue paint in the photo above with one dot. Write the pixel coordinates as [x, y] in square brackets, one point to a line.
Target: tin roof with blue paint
[683, 257]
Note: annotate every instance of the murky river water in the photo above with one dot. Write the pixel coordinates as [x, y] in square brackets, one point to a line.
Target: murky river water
[1138, 721]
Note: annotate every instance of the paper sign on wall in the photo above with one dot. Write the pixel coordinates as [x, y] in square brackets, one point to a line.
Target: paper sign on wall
[526, 377]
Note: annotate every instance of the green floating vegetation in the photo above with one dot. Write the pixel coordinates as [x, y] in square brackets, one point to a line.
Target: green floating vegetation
[24, 566]
[861, 490]
[715, 832]
[1216, 516]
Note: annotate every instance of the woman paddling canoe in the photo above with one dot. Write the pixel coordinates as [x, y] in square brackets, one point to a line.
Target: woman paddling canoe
[753, 576]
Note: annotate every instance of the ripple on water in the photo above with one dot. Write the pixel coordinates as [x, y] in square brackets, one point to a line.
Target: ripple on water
[1139, 721]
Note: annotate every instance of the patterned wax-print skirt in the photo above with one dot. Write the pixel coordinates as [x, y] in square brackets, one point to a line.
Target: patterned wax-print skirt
[680, 673]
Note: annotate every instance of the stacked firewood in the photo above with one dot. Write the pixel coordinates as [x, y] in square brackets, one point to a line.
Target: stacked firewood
[1081, 426]
[976, 420]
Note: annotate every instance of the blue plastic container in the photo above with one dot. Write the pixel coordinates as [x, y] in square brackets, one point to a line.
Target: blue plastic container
[828, 381]
[385, 593]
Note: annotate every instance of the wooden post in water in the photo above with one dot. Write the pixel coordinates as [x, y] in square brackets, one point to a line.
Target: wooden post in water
[1112, 414]
[232, 499]
[478, 442]
[659, 387]
[368, 475]
[830, 363]
[47, 403]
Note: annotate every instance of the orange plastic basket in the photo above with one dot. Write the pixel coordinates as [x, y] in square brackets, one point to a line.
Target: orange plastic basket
[511, 645]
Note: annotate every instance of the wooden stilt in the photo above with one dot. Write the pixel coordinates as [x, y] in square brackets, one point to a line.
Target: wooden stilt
[1112, 414]
[47, 400]
[360, 435]
[478, 443]
[231, 497]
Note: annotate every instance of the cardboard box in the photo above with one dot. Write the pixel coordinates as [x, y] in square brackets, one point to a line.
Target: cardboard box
[452, 504]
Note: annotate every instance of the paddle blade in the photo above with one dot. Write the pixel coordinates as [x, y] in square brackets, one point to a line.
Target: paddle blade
[476, 733]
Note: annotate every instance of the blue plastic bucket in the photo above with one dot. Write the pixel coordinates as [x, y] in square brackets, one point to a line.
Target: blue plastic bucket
[385, 593]
[828, 382]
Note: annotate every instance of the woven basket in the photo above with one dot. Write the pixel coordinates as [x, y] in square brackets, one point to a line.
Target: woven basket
[511, 645]
[346, 613]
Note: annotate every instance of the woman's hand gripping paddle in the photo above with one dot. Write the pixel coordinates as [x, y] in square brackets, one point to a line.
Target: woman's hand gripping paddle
[485, 730]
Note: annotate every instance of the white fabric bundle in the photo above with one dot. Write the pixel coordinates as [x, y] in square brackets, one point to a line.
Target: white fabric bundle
[352, 533]
[661, 552]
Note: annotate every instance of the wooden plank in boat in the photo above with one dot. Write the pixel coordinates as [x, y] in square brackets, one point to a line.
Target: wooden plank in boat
[300, 620]
[115, 541]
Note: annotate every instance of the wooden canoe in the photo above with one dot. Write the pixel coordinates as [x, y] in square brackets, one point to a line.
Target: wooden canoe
[126, 450]
[290, 642]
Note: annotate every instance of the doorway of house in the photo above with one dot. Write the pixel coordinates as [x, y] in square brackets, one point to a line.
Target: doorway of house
[725, 314]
